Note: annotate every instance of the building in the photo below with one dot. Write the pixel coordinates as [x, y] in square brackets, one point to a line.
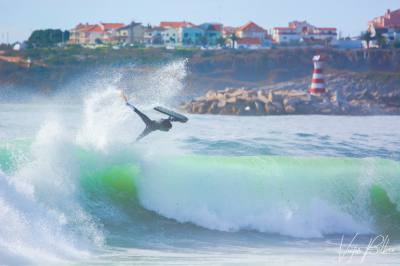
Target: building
[109, 31]
[154, 35]
[89, 34]
[249, 36]
[191, 36]
[183, 33]
[85, 34]
[212, 33]
[170, 36]
[131, 34]
[19, 46]
[176, 24]
[298, 31]
[387, 25]
[285, 35]
[251, 30]
[249, 43]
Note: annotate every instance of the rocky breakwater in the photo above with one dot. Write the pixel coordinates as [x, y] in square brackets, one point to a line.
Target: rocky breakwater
[289, 102]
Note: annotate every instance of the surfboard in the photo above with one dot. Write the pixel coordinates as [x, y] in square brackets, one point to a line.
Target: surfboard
[175, 115]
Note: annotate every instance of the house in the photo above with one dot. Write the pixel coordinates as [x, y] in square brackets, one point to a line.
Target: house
[130, 34]
[180, 33]
[19, 46]
[251, 30]
[387, 25]
[109, 31]
[89, 34]
[175, 24]
[302, 31]
[191, 36]
[170, 36]
[249, 43]
[154, 35]
[212, 33]
[285, 35]
[84, 34]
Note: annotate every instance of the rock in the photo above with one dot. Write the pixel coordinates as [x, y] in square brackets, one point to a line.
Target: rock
[213, 108]
[221, 104]
[261, 97]
[343, 97]
[290, 109]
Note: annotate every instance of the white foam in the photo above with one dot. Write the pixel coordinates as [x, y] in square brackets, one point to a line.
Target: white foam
[233, 196]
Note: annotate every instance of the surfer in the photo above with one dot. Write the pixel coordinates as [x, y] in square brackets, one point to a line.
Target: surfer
[153, 125]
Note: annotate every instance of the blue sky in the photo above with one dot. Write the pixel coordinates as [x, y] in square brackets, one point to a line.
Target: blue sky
[19, 17]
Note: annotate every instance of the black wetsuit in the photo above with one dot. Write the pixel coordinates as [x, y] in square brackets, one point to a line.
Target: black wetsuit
[151, 125]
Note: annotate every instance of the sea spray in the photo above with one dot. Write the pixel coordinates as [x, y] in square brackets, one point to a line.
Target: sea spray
[40, 205]
[160, 87]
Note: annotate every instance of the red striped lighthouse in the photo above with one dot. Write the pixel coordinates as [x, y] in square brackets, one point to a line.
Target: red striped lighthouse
[318, 81]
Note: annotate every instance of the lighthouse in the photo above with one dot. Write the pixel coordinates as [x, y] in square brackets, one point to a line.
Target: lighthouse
[318, 81]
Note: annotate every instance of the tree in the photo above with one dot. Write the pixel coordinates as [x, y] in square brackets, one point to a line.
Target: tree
[396, 43]
[47, 38]
[381, 40]
[234, 39]
[221, 41]
[366, 36]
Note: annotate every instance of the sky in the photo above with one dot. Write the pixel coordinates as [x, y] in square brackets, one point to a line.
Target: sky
[18, 18]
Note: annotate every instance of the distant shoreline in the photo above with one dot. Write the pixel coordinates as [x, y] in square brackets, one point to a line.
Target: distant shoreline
[369, 82]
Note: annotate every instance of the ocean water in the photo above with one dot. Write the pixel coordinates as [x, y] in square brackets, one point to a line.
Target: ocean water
[75, 189]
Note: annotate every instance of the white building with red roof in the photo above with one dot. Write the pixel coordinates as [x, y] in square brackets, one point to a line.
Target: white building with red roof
[251, 30]
[249, 43]
[176, 24]
[302, 30]
[248, 36]
[86, 34]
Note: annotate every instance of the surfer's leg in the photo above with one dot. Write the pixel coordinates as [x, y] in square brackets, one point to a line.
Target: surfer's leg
[145, 132]
[144, 117]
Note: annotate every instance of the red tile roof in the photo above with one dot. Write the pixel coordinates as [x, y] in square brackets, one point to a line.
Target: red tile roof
[250, 25]
[283, 28]
[332, 29]
[88, 28]
[176, 24]
[229, 29]
[249, 41]
[93, 28]
[111, 26]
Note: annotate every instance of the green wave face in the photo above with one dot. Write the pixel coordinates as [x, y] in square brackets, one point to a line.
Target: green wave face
[294, 196]
[287, 195]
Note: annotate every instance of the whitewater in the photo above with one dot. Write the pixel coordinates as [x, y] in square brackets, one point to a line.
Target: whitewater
[286, 190]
